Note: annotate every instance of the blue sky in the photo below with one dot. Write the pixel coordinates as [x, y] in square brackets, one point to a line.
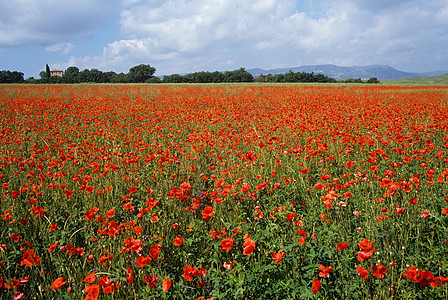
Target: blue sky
[181, 36]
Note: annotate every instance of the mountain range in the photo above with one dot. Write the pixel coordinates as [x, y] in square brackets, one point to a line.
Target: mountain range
[339, 72]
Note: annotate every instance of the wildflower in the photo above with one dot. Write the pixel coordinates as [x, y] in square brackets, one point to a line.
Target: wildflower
[379, 271]
[227, 244]
[302, 233]
[166, 284]
[249, 246]
[278, 257]
[366, 250]
[109, 286]
[131, 275]
[151, 280]
[425, 214]
[325, 272]
[362, 272]
[207, 213]
[316, 285]
[58, 283]
[92, 291]
[178, 241]
[90, 278]
[342, 246]
[30, 259]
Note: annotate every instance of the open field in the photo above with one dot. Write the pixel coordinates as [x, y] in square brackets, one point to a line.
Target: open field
[223, 192]
[440, 80]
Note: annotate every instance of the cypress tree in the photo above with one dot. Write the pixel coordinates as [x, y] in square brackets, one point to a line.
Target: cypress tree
[47, 70]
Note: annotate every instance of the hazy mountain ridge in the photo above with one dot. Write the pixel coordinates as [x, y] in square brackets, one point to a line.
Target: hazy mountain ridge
[339, 72]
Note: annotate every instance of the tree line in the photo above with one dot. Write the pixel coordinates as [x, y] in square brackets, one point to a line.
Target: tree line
[296, 77]
[138, 74]
[7, 76]
[145, 74]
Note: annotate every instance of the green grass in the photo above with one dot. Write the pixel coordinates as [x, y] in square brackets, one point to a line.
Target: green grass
[435, 80]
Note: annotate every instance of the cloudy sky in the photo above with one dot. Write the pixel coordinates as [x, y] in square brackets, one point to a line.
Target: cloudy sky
[182, 36]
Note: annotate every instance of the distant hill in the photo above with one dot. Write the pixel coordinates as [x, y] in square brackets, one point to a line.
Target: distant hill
[434, 80]
[338, 72]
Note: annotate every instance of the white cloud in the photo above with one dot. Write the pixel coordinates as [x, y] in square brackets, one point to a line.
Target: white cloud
[61, 47]
[187, 36]
[48, 22]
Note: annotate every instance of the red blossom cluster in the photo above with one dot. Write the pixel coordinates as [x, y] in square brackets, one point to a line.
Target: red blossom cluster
[111, 175]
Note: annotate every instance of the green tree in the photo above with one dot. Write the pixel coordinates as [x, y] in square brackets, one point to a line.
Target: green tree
[43, 75]
[373, 80]
[154, 80]
[118, 78]
[140, 73]
[71, 75]
[173, 78]
[47, 71]
[217, 77]
[7, 76]
[240, 75]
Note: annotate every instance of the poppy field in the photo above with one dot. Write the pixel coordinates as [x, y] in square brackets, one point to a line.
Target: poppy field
[223, 192]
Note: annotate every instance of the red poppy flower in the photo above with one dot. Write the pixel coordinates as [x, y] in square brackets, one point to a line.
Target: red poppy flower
[226, 244]
[290, 216]
[109, 286]
[143, 261]
[249, 246]
[90, 214]
[131, 275]
[302, 233]
[166, 284]
[207, 213]
[90, 278]
[18, 296]
[342, 246]
[366, 250]
[53, 227]
[52, 247]
[92, 291]
[38, 211]
[188, 271]
[30, 259]
[413, 201]
[155, 251]
[58, 283]
[151, 280]
[228, 265]
[398, 210]
[110, 213]
[379, 271]
[425, 214]
[178, 241]
[278, 257]
[362, 272]
[325, 272]
[316, 285]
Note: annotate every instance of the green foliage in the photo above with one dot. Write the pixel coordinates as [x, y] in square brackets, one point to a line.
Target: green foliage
[299, 77]
[7, 76]
[240, 75]
[140, 73]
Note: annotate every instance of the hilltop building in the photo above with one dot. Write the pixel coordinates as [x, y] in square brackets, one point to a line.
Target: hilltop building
[56, 72]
